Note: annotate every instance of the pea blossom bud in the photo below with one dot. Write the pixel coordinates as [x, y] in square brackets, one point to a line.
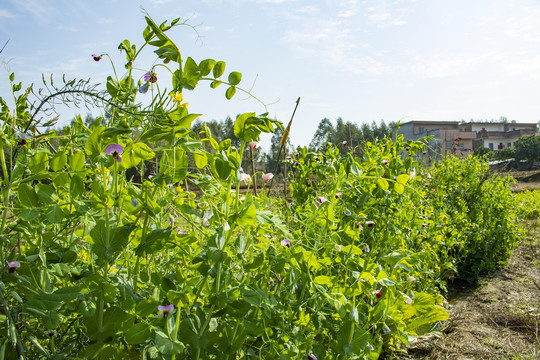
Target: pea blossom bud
[150, 77]
[320, 200]
[267, 177]
[166, 309]
[12, 266]
[253, 145]
[96, 57]
[285, 242]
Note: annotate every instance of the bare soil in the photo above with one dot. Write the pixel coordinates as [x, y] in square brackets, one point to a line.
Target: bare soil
[497, 319]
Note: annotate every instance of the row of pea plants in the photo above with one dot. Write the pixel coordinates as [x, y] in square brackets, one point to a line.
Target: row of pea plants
[96, 265]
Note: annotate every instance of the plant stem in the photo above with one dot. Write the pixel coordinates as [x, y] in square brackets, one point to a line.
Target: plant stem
[253, 171]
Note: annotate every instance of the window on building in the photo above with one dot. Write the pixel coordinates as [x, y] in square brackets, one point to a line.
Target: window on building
[490, 146]
[509, 145]
[448, 145]
[461, 146]
[421, 130]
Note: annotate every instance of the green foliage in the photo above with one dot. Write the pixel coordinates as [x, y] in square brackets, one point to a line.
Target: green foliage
[97, 264]
[505, 154]
[528, 204]
[477, 210]
[483, 151]
[528, 148]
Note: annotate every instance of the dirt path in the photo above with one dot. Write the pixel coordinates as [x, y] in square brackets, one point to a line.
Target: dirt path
[499, 318]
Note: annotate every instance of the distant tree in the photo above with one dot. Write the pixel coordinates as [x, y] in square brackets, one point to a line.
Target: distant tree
[504, 154]
[528, 148]
[482, 151]
[325, 131]
[355, 135]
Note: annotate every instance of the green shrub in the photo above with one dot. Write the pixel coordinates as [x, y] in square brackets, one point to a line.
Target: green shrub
[478, 208]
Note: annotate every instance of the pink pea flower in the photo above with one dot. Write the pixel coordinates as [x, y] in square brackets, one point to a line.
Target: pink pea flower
[320, 200]
[245, 178]
[378, 294]
[267, 177]
[116, 151]
[312, 357]
[338, 194]
[345, 143]
[285, 242]
[370, 224]
[181, 232]
[13, 265]
[385, 161]
[166, 309]
[96, 57]
[254, 144]
[408, 301]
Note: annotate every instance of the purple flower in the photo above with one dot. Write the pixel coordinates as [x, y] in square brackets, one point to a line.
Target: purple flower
[181, 232]
[288, 157]
[378, 294]
[116, 151]
[143, 89]
[285, 242]
[338, 195]
[134, 202]
[320, 200]
[344, 143]
[13, 265]
[385, 161]
[96, 57]
[166, 309]
[51, 333]
[150, 77]
[358, 225]
[370, 348]
[370, 224]
[311, 357]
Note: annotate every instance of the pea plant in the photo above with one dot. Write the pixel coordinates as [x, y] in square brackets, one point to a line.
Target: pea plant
[130, 238]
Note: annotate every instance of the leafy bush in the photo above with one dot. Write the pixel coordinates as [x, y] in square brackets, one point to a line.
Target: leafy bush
[478, 213]
[483, 151]
[504, 154]
[528, 148]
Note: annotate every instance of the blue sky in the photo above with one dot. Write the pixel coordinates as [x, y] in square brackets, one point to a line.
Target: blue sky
[359, 60]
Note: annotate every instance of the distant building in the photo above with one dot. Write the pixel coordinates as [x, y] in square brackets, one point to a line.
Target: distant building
[497, 136]
[451, 137]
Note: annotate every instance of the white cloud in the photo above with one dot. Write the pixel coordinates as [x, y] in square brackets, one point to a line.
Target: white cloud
[35, 8]
[448, 65]
[5, 14]
[307, 10]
